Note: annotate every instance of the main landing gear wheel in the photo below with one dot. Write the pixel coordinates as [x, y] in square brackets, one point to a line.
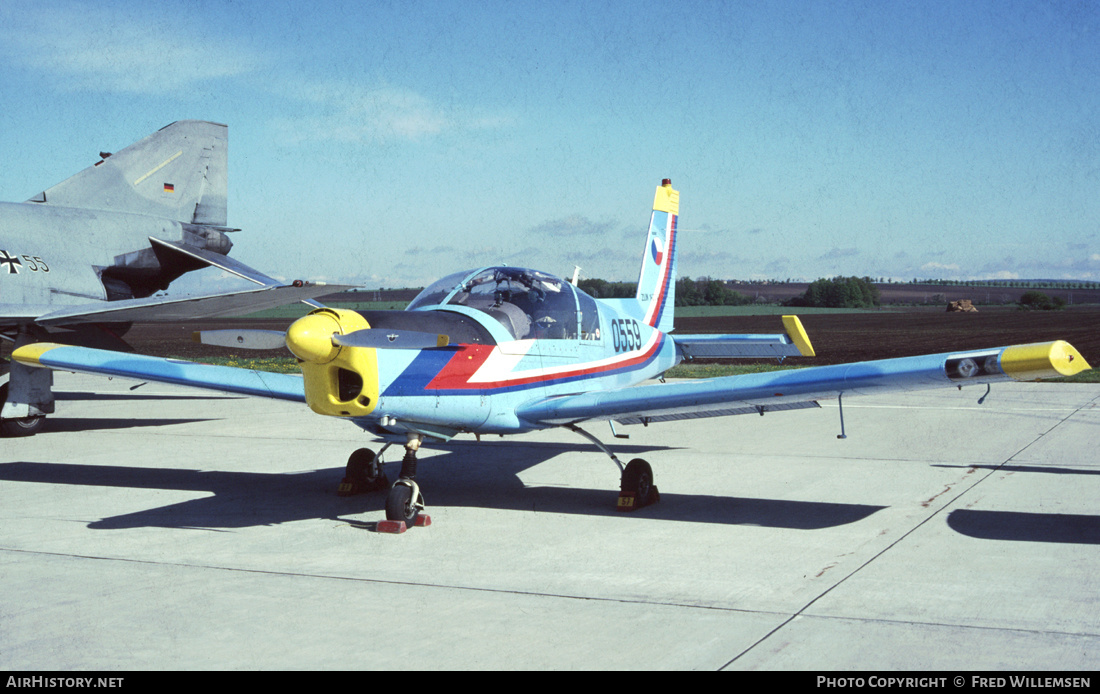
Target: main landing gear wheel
[363, 474]
[636, 488]
[23, 426]
[404, 502]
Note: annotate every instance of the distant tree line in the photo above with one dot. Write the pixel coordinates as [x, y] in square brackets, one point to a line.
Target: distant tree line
[602, 289]
[689, 292]
[839, 292]
[1019, 284]
[707, 292]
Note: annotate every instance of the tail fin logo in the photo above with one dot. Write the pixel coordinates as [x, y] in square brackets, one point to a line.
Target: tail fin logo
[658, 251]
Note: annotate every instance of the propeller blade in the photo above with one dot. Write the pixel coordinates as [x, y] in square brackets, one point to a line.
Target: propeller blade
[242, 339]
[380, 338]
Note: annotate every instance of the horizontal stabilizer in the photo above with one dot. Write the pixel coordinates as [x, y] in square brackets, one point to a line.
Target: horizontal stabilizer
[765, 346]
[226, 379]
[222, 262]
[165, 309]
[735, 346]
[230, 265]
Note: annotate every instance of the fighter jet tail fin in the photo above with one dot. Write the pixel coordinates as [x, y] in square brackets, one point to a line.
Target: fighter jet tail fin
[179, 172]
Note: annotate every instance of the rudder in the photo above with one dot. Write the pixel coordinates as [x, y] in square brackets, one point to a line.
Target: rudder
[657, 279]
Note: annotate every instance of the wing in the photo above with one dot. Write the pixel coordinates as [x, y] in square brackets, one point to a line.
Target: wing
[170, 309]
[230, 265]
[218, 260]
[797, 388]
[106, 363]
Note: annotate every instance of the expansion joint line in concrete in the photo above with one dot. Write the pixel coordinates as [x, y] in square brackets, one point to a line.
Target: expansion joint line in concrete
[893, 544]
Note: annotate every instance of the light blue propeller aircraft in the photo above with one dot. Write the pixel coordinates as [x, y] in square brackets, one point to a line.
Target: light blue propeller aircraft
[506, 350]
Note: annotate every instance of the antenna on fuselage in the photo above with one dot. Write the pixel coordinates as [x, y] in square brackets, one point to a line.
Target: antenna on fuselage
[576, 275]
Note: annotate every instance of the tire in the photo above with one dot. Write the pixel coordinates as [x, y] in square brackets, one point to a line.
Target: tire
[363, 470]
[638, 479]
[400, 506]
[24, 426]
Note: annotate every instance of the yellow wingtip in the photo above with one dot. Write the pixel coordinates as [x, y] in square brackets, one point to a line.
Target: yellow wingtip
[798, 335]
[31, 355]
[1042, 360]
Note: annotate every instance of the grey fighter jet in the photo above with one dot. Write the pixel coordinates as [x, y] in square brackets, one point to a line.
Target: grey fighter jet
[80, 261]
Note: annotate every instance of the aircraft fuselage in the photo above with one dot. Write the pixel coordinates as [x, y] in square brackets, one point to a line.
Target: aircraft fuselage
[63, 256]
[527, 335]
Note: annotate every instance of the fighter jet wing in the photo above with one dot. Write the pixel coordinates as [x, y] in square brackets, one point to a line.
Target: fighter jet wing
[222, 262]
[226, 379]
[798, 388]
[171, 309]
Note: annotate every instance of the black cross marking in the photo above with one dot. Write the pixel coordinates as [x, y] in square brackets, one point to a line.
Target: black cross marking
[11, 261]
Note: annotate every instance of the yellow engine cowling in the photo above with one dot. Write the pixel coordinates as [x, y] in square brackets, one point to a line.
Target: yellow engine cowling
[339, 381]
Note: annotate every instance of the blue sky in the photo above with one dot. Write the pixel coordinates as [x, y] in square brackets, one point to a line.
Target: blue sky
[388, 144]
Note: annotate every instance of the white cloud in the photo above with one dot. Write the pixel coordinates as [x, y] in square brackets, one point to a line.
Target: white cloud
[94, 48]
[144, 49]
[952, 267]
[347, 112]
[837, 253]
[574, 225]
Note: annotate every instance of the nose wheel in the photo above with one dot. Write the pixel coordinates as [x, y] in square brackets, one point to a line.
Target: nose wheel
[404, 502]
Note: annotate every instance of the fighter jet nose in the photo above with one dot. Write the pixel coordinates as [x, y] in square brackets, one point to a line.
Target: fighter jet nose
[310, 338]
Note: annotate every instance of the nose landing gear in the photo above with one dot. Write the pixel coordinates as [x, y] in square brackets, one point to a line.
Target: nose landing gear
[404, 502]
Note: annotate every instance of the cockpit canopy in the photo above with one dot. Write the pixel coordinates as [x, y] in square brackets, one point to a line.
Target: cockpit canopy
[528, 303]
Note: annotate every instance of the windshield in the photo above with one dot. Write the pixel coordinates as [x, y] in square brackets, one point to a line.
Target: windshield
[437, 291]
[528, 303]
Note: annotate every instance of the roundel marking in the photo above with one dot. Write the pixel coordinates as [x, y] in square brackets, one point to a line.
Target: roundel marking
[658, 250]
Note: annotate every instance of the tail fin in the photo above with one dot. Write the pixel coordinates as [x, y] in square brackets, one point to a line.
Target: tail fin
[657, 281]
[179, 172]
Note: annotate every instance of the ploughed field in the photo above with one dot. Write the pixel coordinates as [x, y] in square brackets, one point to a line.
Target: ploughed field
[836, 337]
[847, 337]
